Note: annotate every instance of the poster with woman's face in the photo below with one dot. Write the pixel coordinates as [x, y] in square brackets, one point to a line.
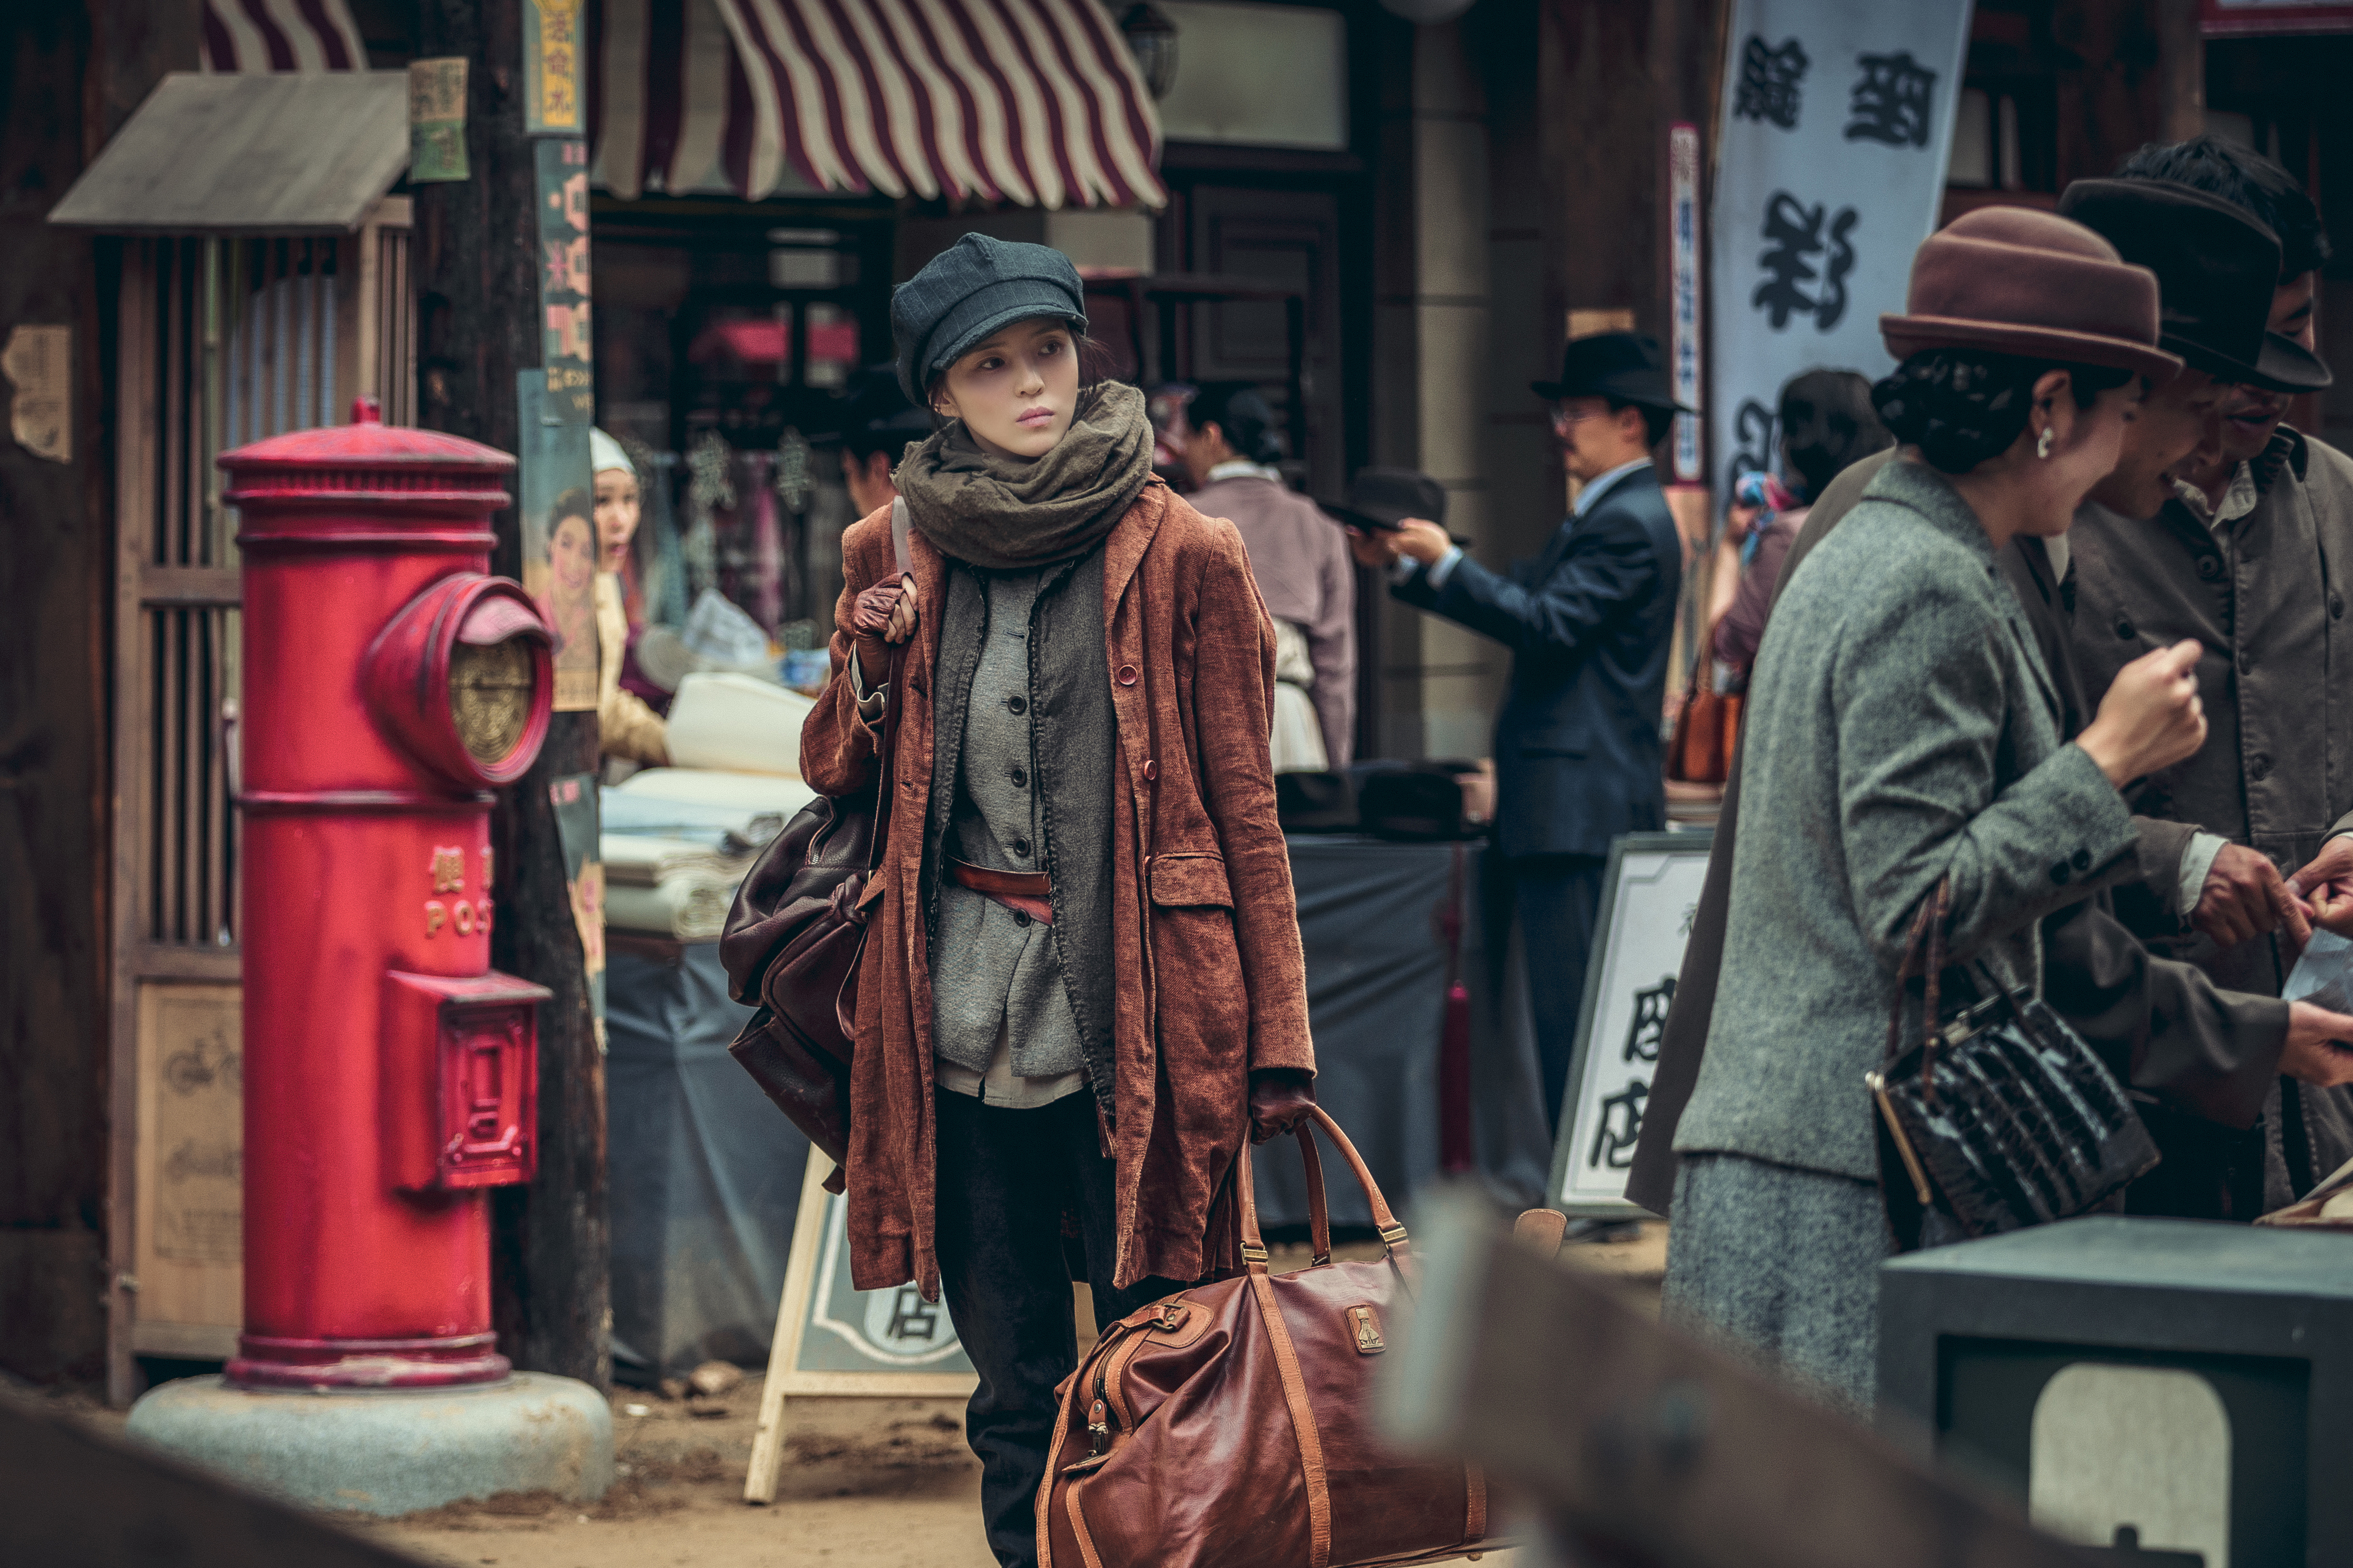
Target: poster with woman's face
[559, 541]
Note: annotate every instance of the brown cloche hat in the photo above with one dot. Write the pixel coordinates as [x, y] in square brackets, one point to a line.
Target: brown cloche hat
[2020, 282]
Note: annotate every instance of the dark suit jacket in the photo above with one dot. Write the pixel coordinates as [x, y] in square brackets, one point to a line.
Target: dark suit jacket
[1577, 755]
[2161, 1025]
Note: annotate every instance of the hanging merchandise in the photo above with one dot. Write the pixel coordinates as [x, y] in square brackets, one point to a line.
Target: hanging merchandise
[660, 561]
[765, 552]
[708, 488]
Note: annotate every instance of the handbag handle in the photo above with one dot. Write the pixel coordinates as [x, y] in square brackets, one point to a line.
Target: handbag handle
[886, 752]
[1254, 1253]
[1924, 955]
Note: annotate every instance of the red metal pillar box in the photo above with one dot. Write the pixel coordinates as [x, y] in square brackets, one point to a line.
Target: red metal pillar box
[390, 1075]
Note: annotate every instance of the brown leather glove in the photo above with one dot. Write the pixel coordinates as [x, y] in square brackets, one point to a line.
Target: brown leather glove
[1280, 1100]
[877, 609]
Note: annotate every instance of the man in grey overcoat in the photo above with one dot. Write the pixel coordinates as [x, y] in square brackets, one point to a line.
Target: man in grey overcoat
[2260, 582]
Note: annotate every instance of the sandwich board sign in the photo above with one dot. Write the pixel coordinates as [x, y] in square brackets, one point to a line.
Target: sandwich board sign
[1648, 902]
[833, 1339]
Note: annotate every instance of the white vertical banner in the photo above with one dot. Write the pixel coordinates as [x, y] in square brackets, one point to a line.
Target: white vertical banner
[1682, 248]
[1838, 122]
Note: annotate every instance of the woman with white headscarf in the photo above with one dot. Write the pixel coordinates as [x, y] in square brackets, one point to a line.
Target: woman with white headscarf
[625, 727]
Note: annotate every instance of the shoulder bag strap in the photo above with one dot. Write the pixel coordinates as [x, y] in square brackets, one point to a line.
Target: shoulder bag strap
[886, 751]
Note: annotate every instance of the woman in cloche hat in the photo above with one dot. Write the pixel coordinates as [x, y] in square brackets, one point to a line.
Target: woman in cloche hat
[1082, 984]
[1901, 730]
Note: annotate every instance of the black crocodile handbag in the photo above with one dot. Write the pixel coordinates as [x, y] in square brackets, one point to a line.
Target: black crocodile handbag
[1999, 1116]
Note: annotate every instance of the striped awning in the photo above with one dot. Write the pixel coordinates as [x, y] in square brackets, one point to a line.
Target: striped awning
[1036, 102]
[280, 36]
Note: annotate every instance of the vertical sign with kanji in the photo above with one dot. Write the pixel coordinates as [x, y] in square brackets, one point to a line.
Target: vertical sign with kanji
[1838, 124]
[1648, 902]
[1683, 249]
[553, 34]
[563, 195]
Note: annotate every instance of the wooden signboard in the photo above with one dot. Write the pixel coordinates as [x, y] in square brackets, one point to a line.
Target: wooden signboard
[188, 1223]
[833, 1339]
[1647, 906]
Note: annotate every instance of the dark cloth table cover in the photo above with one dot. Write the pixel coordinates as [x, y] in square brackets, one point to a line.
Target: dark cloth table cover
[705, 1175]
[1368, 917]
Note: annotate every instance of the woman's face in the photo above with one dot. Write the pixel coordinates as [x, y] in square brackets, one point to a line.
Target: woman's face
[2086, 443]
[617, 517]
[572, 553]
[1018, 391]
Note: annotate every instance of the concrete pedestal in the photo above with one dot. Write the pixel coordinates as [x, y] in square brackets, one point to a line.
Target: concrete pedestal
[386, 1452]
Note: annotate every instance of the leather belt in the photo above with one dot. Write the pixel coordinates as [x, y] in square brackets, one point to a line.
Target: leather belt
[1025, 892]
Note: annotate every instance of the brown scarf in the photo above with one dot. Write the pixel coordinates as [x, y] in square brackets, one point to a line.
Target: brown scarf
[1002, 515]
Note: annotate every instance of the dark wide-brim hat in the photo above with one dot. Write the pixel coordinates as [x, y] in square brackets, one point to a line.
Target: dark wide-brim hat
[2216, 267]
[873, 406]
[2019, 281]
[1383, 497]
[975, 287]
[1624, 365]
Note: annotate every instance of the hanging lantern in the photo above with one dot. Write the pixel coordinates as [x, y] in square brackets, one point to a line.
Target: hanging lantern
[1152, 39]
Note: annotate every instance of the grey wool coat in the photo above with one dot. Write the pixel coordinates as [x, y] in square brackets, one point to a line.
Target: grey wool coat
[1901, 728]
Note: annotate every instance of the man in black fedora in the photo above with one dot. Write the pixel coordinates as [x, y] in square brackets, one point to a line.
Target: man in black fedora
[877, 424]
[2261, 581]
[1577, 754]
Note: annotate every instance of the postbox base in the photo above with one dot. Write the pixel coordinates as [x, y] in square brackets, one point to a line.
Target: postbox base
[326, 1364]
[389, 1452]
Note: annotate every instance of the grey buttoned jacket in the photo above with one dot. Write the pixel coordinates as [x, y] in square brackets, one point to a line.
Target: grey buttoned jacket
[1901, 728]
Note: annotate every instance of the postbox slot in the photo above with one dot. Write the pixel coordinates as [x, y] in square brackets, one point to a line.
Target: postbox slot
[460, 1080]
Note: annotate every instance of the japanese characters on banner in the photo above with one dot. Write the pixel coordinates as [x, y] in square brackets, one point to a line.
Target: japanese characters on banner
[1838, 121]
[1684, 347]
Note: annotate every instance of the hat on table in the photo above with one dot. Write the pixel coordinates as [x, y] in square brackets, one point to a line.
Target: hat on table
[1624, 365]
[2019, 281]
[2216, 266]
[970, 289]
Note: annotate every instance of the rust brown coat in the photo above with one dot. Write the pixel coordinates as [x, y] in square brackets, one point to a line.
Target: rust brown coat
[1201, 896]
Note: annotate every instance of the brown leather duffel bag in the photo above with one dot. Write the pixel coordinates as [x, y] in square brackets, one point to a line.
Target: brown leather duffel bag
[796, 933]
[1232, 1422]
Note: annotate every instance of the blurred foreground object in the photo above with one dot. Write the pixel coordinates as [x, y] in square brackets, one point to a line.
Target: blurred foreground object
[2186, 1386]
[76, 1498]
[1644, 1449]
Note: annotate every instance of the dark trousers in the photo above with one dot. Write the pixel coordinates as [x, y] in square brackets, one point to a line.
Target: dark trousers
[1006, 1180]
[1556, 899]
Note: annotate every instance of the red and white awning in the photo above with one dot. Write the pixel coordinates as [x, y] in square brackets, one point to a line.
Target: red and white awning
[280, 36]
[1036, 102]
[1031, 101]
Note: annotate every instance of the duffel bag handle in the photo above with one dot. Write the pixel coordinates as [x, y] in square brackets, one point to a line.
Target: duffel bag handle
[1254, 1253]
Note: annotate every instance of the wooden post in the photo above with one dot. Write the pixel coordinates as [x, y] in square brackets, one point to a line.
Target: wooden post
[476, 260]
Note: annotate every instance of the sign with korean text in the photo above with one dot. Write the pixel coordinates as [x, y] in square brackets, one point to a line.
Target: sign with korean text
[563, 195]
[1838, 121]
[1648, 904]
[553, 34]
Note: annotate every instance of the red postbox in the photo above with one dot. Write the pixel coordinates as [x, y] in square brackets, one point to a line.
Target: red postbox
[390, 1074]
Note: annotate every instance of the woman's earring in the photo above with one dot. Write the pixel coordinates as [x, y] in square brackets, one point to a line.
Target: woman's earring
[2042, 445]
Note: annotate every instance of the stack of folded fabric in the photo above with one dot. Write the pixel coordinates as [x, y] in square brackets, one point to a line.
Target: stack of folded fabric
[677, 841]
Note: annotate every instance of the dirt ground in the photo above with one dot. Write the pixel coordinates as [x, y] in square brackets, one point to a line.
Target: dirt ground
[874, 1483]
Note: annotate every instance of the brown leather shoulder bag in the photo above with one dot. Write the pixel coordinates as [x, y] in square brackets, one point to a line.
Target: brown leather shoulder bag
[797, 929]
[1231, 1423]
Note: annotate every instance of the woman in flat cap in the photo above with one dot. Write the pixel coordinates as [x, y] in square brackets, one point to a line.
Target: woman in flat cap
[1902, 730]
[1082, 984]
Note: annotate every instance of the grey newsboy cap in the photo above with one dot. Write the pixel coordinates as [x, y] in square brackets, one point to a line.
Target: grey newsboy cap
[969, 290]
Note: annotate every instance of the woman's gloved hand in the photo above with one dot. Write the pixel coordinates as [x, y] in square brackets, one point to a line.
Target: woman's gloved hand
[885, 614]
[1280, 1100]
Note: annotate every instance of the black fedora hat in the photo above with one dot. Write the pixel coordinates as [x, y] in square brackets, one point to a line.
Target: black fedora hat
[1383, 497]
[873, 406]
[2216, 268]
[1627, 365]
